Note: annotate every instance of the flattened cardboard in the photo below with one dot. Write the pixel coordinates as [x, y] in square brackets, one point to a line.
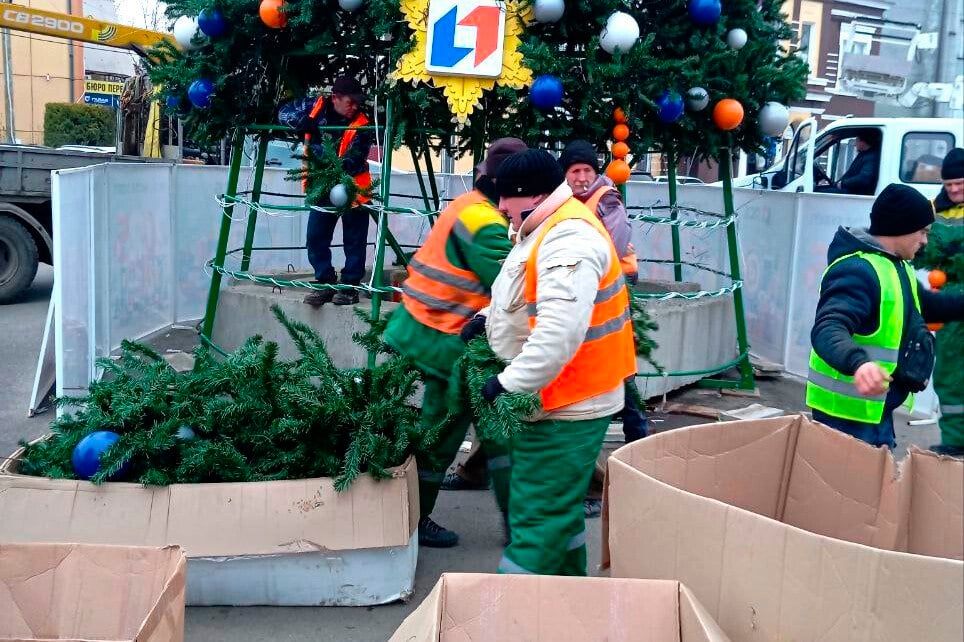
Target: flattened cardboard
[263, 518]
[796, 579]
[83, 593]
[465, 607]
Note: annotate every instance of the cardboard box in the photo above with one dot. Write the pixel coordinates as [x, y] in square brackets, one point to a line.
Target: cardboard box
[786, 529]
[293, 542]
[82, 593]
[468, 607]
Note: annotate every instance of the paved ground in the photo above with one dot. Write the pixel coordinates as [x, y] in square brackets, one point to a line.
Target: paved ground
[473, 514]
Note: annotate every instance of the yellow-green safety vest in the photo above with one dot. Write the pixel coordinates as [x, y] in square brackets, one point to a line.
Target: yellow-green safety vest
[833, 392]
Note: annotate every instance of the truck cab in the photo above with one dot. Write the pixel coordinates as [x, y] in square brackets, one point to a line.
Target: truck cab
[911, 152]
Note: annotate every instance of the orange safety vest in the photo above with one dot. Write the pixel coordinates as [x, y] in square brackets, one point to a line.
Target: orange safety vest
[436, 293]
[607, 354]
[628, 263]
[363, 180]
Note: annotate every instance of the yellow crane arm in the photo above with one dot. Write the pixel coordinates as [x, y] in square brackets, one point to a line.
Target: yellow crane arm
[50, 23]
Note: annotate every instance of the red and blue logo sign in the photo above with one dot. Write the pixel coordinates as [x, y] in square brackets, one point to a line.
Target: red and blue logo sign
[465, 38]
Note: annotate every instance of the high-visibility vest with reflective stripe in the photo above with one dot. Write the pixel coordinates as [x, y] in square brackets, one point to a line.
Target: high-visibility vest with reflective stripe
[834, 393]
[628, 263]
[607, 354]
[363, 180]
[437, 293]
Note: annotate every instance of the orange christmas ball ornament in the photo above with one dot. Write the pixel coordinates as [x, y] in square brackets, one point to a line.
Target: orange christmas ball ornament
[273, 14]
[728, 114]
[621, 132]
[620, 150]
[619, 115]
[937, 279]
[934, 327]
[618, 171]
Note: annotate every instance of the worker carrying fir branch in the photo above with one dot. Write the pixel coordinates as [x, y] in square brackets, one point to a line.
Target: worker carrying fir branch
[560, 317]
[449, 281]
[307, 116]
[871, 347]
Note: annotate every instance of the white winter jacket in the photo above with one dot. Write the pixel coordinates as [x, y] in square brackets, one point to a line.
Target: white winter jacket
[572, 260]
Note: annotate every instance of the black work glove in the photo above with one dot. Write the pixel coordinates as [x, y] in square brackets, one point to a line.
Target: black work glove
[492, 388]
[473, 328]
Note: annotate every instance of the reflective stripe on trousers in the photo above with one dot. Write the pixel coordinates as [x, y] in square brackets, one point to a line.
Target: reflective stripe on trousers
[508, 566]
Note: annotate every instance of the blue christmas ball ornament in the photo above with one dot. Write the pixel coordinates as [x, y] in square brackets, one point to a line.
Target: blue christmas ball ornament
[670, 107]
[173, 103]
[199, 93]
[211, 22]
[546, 92]
[87, 453]
[705, 12]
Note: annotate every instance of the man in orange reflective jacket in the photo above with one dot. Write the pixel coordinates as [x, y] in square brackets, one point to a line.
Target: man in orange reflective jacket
[308, 116]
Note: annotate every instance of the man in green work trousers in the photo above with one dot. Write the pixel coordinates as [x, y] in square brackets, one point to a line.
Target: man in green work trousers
[871, 347]
[560, 319]
[449, 281]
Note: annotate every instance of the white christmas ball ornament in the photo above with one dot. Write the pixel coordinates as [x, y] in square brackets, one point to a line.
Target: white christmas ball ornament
[697, 99]
[350, 5]
[736, 38]
[549, 10]
[185, 28]
[620, 33]
[774, 119]
[338, 195]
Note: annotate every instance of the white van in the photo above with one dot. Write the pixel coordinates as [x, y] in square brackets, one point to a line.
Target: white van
[911, 152]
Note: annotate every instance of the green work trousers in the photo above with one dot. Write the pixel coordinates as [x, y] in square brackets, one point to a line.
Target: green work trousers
[552, 462]
[949, 383]
[435, 458]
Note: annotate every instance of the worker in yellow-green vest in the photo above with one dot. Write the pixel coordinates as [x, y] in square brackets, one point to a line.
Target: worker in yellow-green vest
[871, 345]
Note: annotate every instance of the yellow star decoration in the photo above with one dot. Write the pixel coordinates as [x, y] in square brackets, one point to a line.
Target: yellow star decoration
[464, 93]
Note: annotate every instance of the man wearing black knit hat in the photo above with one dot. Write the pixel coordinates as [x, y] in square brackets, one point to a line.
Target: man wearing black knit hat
[871, 345]
[560, 318]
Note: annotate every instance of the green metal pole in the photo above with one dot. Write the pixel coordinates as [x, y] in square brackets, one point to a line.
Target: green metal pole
[255, 197]
[418, 175]
[746, 370]
[431, 172]
[674, 229]
[379, 263]
[232, 190]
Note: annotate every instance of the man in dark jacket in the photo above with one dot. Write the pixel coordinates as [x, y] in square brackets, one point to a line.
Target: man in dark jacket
[307, 116]
[861, 176]
[871, 317]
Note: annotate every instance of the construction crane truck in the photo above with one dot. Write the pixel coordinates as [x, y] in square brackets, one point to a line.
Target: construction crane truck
[25, 216]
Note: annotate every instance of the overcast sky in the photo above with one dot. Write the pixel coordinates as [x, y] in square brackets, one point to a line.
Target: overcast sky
[139, 13]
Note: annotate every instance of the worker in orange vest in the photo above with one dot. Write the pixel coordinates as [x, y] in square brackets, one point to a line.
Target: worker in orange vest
[448, 283]
[560, 318]
[307, 116]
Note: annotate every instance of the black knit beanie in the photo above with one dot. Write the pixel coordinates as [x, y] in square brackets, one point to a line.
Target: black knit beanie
[900, 210]
[529, 173]
[579, 151]
[953, 166]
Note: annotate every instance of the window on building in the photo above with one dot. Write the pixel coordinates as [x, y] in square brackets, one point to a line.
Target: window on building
[806, 44]
[922, 155]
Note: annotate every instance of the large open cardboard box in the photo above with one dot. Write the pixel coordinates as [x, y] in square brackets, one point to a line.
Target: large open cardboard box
[83, 593]
[786, 529]
[470, 607]
[279, 543]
